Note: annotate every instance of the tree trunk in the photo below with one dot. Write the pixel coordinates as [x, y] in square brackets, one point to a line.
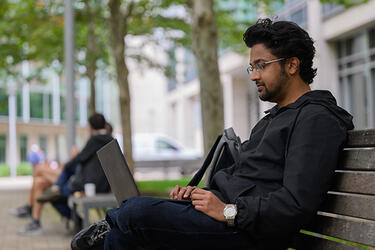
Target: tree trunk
[91, 57]
[118, 23]
[204, 43]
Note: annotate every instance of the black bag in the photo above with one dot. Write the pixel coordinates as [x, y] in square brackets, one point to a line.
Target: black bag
[224, 153]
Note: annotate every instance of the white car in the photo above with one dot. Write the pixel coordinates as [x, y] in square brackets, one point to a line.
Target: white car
[156, 147]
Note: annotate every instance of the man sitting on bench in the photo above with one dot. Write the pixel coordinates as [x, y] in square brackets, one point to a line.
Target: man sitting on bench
[284, 173]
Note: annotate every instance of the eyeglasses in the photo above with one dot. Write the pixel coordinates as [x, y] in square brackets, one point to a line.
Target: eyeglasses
[260, 66]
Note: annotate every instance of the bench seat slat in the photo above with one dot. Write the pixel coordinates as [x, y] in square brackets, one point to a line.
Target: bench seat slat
[354, 182]
[360, 231]
[361, 206]
[308, 242]
[361, 138]
[358, 159]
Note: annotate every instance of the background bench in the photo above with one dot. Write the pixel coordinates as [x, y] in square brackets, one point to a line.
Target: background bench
[81, 205]
[349, 212]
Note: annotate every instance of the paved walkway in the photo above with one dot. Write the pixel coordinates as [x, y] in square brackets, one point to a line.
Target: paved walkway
[13, 193]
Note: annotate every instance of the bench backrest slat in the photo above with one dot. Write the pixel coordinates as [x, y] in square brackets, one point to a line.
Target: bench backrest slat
[358, 159]
[359, 231]
[361, 182]
[361, 206]
[361, 138]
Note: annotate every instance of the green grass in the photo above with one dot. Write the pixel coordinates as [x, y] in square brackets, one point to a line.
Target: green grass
[162, 187]
[335, 239]
[23, 168]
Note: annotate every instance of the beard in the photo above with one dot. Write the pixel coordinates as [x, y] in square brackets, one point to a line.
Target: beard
[271, 95]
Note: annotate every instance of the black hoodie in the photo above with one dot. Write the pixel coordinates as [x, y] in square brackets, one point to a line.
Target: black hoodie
[286, 168]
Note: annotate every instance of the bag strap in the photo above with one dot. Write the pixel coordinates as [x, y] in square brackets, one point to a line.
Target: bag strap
[199, 175]
[227, 140]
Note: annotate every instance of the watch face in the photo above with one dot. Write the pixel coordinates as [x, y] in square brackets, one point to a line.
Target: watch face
[230, 211]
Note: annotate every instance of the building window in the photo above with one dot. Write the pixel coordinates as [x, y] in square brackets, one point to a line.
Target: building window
[2, 148]
[36, 105]
[171, 69]
[23, 148]
[331, 9]
[355, 56]
[190, 67]
[292, 10]
[43, 143]
[19, 104]
[3, 102]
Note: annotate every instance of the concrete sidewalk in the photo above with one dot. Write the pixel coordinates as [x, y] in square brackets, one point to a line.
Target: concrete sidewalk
[14, 193]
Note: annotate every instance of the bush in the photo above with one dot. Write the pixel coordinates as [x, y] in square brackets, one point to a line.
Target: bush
[4, 170]
[23, 168]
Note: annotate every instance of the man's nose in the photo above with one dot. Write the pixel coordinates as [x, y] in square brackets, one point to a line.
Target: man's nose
[254, 75]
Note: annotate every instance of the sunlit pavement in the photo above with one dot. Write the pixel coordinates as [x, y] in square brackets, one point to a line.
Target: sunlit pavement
[13, 193]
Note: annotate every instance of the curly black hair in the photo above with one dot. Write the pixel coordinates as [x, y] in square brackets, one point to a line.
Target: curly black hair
[284, 39]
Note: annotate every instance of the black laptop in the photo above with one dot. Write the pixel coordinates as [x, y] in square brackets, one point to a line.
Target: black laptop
[118, 174]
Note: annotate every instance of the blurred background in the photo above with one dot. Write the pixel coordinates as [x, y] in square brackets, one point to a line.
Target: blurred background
[169, 75]
[155, 90]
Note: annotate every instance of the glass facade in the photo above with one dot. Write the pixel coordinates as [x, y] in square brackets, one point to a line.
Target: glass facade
[43, 143]
[3, 102]
[291, 10]
[356, 65]
[2, 148]
[23, 148]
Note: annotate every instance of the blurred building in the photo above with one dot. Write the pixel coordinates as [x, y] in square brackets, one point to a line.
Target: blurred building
[38, 109]
[345, 58]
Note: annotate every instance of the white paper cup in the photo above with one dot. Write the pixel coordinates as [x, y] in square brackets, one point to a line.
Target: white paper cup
[90, 189]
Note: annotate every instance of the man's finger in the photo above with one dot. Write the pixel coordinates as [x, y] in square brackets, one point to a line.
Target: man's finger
[188, 191]
[174, 192]
[198, 202]
[195, 196]
[199, 191]
[181, 192]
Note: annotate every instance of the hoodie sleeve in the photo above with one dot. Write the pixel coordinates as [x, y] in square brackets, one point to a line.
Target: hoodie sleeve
[314, 148]
[88, 150]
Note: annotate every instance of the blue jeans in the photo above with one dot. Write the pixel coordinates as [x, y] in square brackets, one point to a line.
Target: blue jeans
[61, 205]
[150, 223]
[63, 180]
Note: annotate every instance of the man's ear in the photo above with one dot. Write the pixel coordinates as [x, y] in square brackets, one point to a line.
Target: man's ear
[292, 65]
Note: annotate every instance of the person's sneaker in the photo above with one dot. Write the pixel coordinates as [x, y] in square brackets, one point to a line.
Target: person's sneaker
[33, 228]
[21, 212]
[91, 237]
[50, 195]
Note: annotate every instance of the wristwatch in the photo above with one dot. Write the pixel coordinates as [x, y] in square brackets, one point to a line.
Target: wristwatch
[230, 212]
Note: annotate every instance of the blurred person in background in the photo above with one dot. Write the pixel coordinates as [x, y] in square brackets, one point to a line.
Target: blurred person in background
[81, 169]
[35, 156]
[43, 177]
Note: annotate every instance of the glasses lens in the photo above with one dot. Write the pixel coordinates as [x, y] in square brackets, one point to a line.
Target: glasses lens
[249, 69]
[259, 66]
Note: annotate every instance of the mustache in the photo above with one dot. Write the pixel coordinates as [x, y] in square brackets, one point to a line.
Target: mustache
[260, 84]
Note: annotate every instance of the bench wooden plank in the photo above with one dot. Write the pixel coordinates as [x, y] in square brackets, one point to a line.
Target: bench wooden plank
[361, 182]
[86, 203]
[358, 159]
[308, 242]
[344, 227]
[361, 138]
[354, 205]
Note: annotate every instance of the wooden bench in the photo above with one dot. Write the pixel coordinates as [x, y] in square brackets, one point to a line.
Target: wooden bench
[349, 211]
[81, 205]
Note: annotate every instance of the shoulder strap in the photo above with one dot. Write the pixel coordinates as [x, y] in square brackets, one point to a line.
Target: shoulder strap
[199, 175]
[228, 140]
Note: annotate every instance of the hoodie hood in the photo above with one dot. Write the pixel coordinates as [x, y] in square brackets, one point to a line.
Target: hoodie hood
[320, 97]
